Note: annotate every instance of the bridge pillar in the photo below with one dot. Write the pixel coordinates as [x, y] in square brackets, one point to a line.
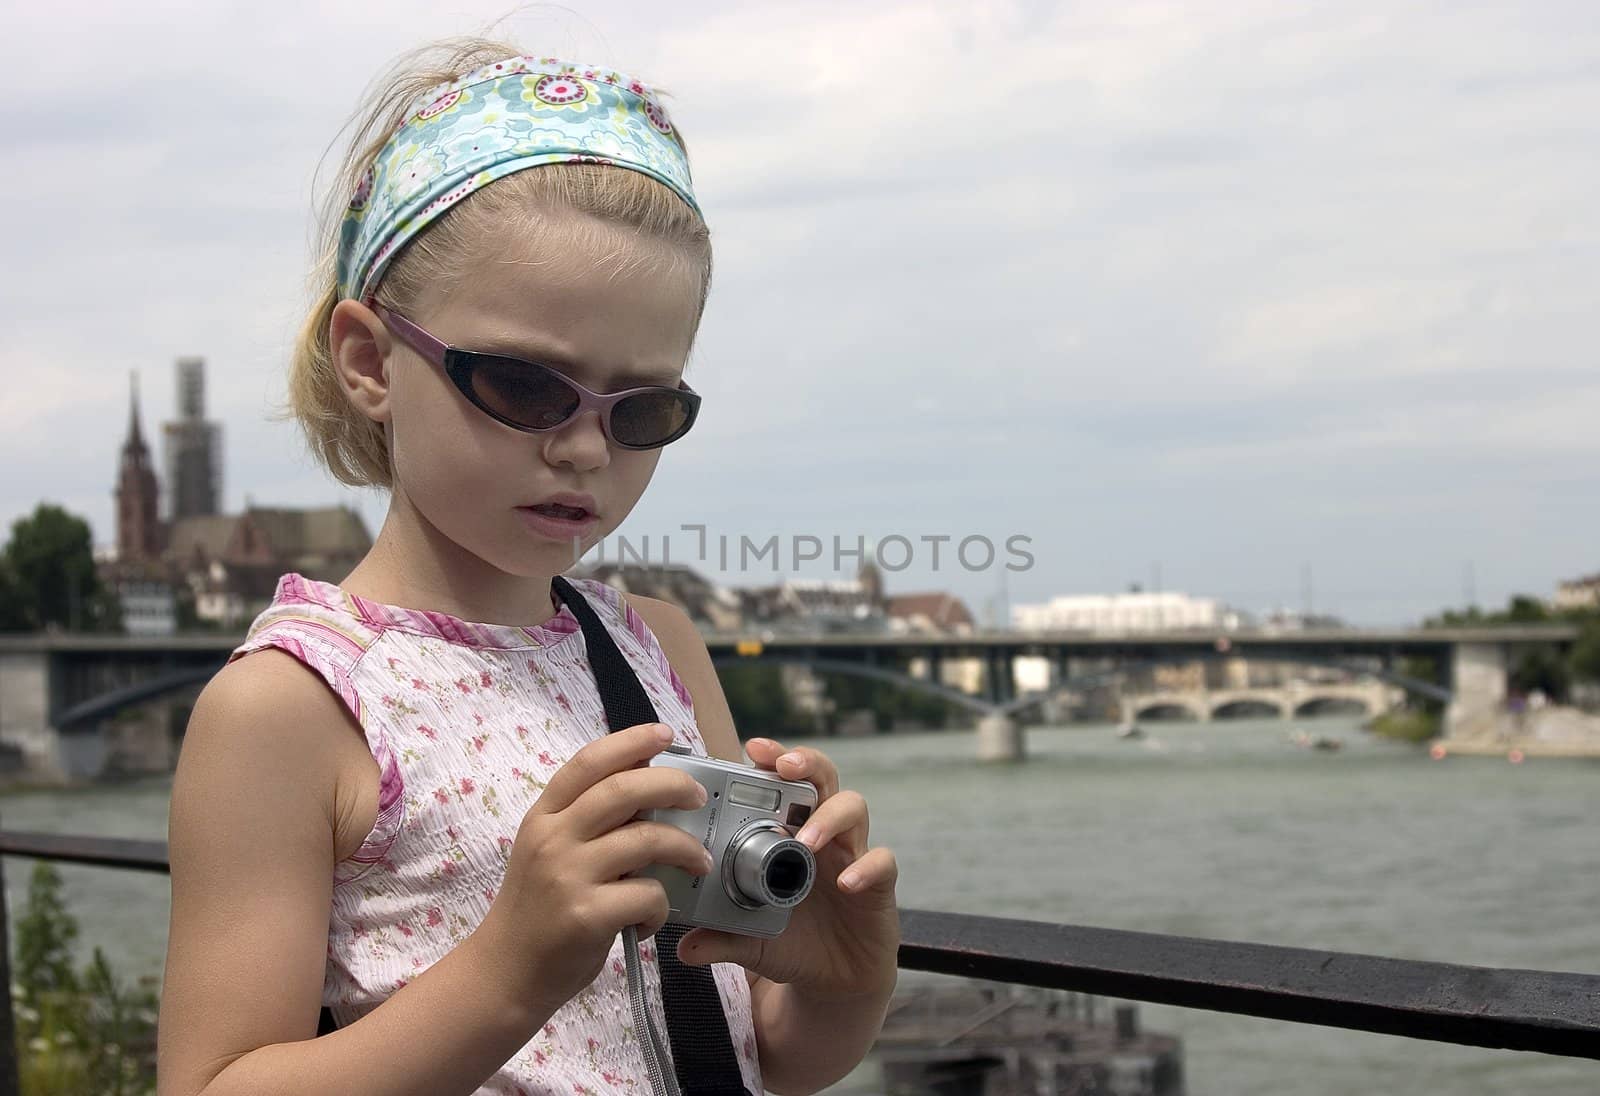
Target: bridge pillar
[33, 745]
[999, 738]
[1478, 688]
[1002, 678]
[1060, 672]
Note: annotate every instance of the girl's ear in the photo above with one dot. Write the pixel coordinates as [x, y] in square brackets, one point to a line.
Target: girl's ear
[360, 346]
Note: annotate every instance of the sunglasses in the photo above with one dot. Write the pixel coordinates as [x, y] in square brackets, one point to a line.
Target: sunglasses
[536, 398]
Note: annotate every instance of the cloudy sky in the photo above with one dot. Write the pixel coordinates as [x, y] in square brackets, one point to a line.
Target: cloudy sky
[1257, 300]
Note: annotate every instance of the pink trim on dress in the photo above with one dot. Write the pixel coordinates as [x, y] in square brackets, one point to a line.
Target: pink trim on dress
[641, 631]
[451, 629]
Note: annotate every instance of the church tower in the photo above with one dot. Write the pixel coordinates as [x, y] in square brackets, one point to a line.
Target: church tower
[138, 527]
[871, 578]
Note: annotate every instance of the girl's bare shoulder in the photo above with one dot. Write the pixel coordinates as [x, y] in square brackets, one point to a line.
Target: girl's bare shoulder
[269, 735]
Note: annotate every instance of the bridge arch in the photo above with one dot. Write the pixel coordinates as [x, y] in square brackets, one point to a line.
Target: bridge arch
[890, 676]
[108, 704]
[1333, 705]
[1248, 707]
[1175, 710]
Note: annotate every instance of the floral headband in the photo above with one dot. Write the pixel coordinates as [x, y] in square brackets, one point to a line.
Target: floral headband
[518, 113]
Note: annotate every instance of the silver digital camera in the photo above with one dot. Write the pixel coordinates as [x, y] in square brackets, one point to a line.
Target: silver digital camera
[760, 872]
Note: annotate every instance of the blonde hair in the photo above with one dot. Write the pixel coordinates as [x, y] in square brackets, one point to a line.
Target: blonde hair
[352, 446]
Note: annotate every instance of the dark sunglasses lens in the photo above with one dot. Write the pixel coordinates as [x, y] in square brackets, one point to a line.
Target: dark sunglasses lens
[650, 418]
[528, 395]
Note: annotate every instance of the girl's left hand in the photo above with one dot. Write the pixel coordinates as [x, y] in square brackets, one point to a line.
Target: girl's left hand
[843, 939]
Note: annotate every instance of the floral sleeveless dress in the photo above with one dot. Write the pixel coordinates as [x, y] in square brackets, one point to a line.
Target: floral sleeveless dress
[467, 723]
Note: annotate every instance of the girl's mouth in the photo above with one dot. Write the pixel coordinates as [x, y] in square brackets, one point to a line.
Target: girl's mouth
[557, 522]
[556, 510]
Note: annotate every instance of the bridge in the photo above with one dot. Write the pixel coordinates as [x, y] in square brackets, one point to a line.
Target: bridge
[58, 689]
[1294, 699]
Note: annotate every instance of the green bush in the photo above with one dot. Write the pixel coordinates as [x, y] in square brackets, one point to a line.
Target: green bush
[77, 1032]
[1408, 725]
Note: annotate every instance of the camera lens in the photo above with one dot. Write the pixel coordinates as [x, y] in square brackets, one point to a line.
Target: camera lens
[787, 874]
[769, 868]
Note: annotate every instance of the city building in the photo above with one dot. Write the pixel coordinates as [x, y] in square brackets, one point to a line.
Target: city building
[1135, 611]
[149, 605]
[1293, 620]
[811, 606]
[1578, 593]
[931, 613]
[192, 449]
[712, 608]
[231, 563]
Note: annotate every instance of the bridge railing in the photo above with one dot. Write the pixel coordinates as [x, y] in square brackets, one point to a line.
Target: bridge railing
[1545, 1011]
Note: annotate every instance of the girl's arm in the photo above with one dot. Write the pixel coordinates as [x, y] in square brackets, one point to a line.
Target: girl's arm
[261, 794]
[805, 1043]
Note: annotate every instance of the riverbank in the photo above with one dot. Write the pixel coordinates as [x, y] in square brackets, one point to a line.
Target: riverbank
[1550, 731]
[1518, 749]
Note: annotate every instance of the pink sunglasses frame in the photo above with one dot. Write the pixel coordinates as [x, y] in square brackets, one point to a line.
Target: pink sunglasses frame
[458, 364]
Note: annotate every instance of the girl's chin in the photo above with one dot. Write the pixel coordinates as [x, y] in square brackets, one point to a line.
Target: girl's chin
[539, 557]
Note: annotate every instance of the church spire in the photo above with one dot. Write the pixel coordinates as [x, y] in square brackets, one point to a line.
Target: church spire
[135, 442]
[139, 533]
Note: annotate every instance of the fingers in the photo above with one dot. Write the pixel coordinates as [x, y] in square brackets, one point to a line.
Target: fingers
[801, 763]
[616, 752]
[843, 813]
[876, 872]
[623, 796]
[640, 902]
[701, 946]
[638, 845]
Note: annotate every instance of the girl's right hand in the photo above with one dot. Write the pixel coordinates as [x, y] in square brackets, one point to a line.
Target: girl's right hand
[569, 887]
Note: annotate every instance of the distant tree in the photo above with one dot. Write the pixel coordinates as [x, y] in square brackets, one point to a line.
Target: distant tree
[1526, 610]
[1584, 661]
[1455, 618]
[758, 701]
[1521, 609]
[13, 610]
[1541, 669]
[52, 579]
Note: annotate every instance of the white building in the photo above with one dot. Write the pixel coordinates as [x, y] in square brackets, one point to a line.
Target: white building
[149, 608]
[1131, 612]
[1579, 593]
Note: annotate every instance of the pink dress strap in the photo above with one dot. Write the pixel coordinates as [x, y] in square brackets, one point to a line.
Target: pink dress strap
[322, 633]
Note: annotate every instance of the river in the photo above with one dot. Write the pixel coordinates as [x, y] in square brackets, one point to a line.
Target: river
[1224, 830]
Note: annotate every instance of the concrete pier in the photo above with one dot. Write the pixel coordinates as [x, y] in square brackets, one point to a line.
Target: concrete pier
[999, 738]
[1478, 688]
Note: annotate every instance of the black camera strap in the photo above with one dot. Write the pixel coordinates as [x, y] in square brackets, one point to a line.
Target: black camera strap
[697, 1029]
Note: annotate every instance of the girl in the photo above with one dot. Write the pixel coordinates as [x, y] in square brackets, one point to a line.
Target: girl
[421, 822]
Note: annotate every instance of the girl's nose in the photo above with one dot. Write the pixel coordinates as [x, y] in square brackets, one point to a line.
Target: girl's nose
[580, 443]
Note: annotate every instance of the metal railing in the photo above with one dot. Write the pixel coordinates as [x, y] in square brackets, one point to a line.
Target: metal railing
[1545, 1011]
